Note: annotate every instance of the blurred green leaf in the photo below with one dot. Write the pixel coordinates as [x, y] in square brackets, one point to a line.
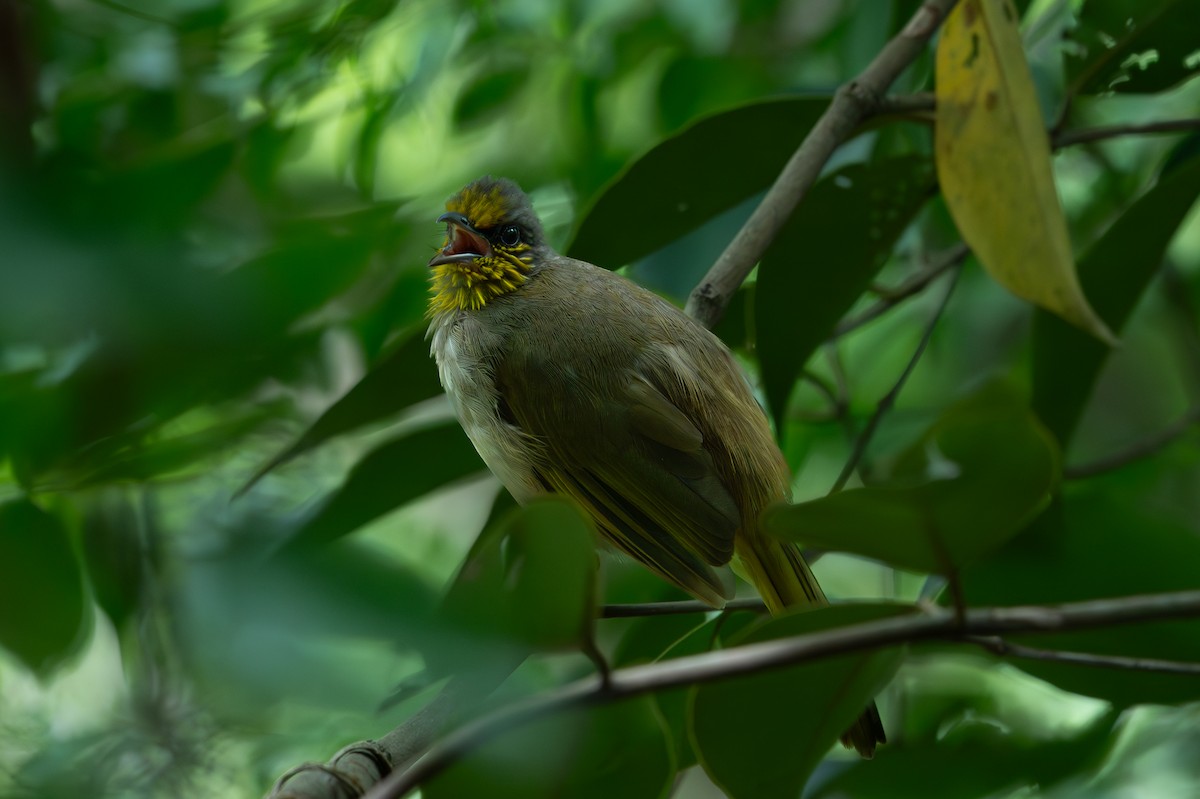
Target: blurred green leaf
[402, 378]
[113, 556]
[761, 736]
[552, 569]
[596, 753]
[969, 484]
[823, 260]
[1133, 46]
[488, 94]
[1114, 274]
[973, 760]
[390, 476]
[689, 178]
[530, 580]
[41, 588]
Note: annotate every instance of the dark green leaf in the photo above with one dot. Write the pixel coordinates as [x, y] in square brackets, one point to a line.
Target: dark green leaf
[823, 260]
[981, 472]
[690, 178]
[761, 736]
[114, 556]
[596, 753]
[403, 378]
[1108, 537]
[1114, 273]
[655, 638]
[488, 94]
[390, 476]
[1134, 46]
[41, 588]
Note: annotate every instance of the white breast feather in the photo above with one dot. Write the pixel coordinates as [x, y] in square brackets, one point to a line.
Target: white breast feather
[471, 389]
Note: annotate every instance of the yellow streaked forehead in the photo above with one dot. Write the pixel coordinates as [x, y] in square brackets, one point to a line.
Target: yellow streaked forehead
[485, 207]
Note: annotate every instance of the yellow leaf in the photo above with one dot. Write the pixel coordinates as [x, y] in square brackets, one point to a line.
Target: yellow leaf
[993, 162]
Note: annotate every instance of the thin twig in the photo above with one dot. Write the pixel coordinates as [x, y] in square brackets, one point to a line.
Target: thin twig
[1085, 135]
[674, 608]
[889, 399]
[921, 625]
[854, 102]
[1137, 451]
[913, 286]
[1004, 648]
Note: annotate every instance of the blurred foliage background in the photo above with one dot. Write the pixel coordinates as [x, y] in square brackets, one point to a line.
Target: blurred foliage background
[214, 220]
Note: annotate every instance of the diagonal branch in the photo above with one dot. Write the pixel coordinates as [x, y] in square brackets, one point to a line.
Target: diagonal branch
[885, 404]
[854, 102]
[924, 624]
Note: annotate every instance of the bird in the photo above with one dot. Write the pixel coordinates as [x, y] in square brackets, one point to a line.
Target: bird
[571, 379]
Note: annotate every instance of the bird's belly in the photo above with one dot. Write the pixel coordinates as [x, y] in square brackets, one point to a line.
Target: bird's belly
[506, 450]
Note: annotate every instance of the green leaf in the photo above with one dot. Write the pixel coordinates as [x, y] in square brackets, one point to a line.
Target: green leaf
[1114, 273]
[595, 753]
[1133, 46]
[113, 556]
[528, 585]
[761, 736]
[390, 476]
[689, 178]
[403, 378]
[823, 260]
[552, 571]
[654, 638]
[41, 588]
[973, 760]
[1111, 536]
[984, 469]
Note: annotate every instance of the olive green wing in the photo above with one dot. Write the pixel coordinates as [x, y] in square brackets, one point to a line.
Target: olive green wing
[638, 464]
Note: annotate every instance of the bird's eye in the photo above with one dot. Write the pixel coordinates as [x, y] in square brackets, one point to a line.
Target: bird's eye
[510, 236]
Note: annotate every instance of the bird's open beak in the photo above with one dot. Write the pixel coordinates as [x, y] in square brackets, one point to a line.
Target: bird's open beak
[463, 242]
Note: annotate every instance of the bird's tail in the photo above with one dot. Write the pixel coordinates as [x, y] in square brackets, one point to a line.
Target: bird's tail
[784, 580]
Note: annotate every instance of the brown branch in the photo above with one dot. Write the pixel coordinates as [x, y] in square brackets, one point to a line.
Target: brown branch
[854, 102]
[1137, 451]
[924, 624]
[915, 285]
[889, 399]
[357, 767]
[1085, 135]
[999, 646]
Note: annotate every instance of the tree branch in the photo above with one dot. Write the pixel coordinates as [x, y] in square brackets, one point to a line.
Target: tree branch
[1137, 451]
[889, 399]
[915, 285]
[1070, 137]
[931, 623]
[1003, 648]
[854, 102]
